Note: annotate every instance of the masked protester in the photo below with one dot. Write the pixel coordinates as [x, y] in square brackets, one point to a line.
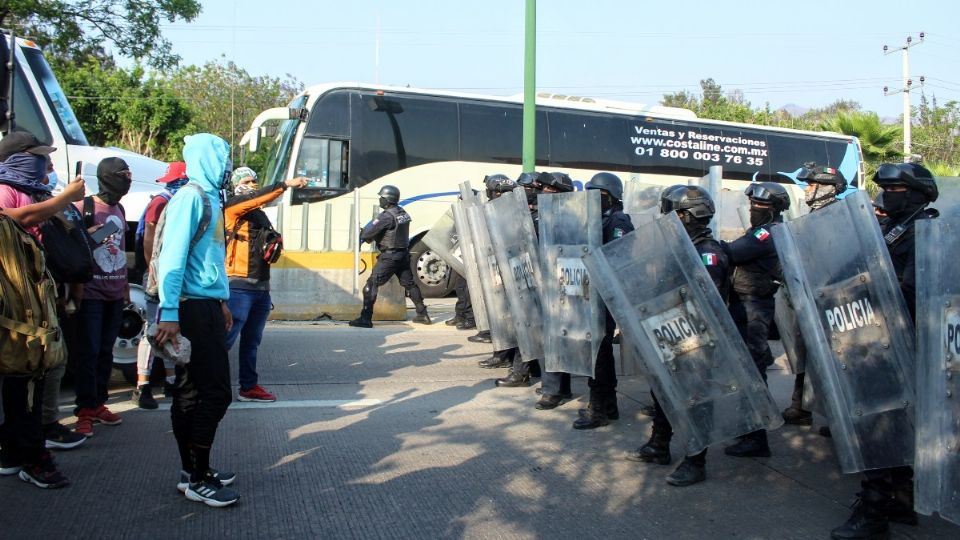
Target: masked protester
[99, 315]
[173, 179]
[249, 235]
[391, 232]
[193, 290]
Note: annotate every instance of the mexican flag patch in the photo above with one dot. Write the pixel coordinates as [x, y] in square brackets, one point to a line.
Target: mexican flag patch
[709, 259]
[761, 234]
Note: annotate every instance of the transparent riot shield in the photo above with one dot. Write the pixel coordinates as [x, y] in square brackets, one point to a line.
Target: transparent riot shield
[502, 332]
[442, 239]
[570, 223]
[516, 249]
[641, 201]
[856, 329]
[657, 288]
[471, 266]
[937, 466]
[786, 319]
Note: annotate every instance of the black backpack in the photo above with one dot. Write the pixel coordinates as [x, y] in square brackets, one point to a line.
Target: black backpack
[67, 246]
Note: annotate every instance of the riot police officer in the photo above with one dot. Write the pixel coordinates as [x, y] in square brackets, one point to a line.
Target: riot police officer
[756, 277]
[887, 494]
[497, 185]
[534, 183]
[823, 186]
[391, 232]
[603, 385]
[695, 208]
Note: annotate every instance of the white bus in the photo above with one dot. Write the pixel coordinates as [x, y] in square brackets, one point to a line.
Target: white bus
[350, 139]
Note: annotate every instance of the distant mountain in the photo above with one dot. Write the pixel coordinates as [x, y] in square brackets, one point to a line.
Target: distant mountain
[794, 110]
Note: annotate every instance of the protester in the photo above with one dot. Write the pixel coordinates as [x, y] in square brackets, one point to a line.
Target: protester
[249, 253]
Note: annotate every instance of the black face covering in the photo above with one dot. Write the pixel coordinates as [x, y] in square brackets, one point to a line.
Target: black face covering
[384, 203]
[114, 180]
[760, 216]
[898, 204]
[606, 202]
[531, 194]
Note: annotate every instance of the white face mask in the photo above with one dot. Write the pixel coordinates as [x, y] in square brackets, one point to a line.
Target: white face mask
[243, 189]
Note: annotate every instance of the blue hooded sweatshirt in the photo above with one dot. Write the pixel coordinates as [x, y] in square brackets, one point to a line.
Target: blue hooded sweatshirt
[199, 272]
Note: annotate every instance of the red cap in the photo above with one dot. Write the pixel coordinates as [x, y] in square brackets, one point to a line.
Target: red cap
[175, 171]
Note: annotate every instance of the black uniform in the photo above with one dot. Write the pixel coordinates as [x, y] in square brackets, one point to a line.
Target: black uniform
[718, 266]
[603, 384]
[391, 232]
[755, 280]
[463, 309]
[891, 490]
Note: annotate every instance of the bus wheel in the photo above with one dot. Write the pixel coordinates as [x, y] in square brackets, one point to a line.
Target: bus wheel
[431, 272]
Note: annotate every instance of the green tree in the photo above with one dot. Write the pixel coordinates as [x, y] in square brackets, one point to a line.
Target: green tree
[225, 98]
[75, 28]
[127, 108]
[877, 140]
[936, 132]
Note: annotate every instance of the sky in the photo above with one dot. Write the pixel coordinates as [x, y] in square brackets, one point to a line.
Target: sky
[807, 53]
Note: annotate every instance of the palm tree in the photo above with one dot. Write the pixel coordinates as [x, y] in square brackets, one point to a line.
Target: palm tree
[877, 140]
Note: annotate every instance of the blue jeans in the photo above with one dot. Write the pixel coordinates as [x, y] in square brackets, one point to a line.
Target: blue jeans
[250, 310]
[98, 325]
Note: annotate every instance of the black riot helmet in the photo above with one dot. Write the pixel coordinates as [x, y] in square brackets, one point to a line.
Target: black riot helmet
[692, 200]
[608, 182]
[529, 180]
[914, 177]
[770, 193]
[498, 184]
[828, 176]
[557, 180]
[389, 195]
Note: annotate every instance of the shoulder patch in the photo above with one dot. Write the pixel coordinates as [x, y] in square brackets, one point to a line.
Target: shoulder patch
[761, 234]
[709, 259]
[617, 232]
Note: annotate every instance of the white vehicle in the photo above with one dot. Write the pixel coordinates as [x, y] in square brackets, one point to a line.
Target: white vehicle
[350, 139]
[41, 108]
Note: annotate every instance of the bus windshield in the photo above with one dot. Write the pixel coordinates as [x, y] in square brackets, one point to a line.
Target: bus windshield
[279, 159]
[55, 97]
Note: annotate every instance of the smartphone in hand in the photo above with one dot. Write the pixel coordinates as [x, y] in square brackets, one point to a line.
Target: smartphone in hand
[104, 232]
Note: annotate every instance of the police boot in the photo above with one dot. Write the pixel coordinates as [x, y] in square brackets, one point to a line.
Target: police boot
[900, 508]
[688, 473]
[656, 450]
[422, 316]
[481, 337]
[750, 445]
[363, 321]
[595, 415]
[551, 401]
[513, 380]
[867, 521]
[495, 361]
[456, 321]
[467, 325]
[797, 416]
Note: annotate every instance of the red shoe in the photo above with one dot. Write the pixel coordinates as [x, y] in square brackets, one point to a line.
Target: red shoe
[84, 423]
[104, 416]
[257, 393]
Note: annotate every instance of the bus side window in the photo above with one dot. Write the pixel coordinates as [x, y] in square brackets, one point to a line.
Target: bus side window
[324, 162]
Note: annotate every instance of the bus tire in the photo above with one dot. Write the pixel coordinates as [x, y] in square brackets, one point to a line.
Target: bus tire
[432, 275]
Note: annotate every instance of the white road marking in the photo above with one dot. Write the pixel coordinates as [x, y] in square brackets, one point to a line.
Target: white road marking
[238, 405]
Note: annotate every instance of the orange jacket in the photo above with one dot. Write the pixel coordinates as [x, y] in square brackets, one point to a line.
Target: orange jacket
[244, 220]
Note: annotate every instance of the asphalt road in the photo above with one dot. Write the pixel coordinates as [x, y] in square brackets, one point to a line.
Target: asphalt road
[395, 432]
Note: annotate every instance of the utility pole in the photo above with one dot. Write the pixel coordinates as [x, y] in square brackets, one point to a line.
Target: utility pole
[907, 83]
[530, 89]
